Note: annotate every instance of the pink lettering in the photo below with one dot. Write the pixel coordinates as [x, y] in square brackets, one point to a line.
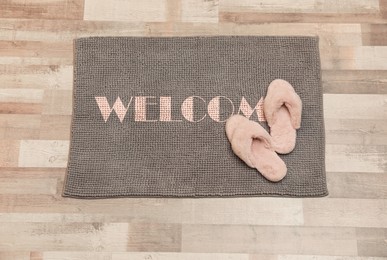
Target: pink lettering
[118, 107]
[187, 109]
[214, 107]
[165, 110]
[140, 109]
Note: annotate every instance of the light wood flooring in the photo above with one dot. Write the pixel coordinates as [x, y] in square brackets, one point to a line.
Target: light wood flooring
[35, 111]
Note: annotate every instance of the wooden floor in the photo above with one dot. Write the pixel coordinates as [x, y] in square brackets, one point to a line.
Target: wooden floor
[35, 111]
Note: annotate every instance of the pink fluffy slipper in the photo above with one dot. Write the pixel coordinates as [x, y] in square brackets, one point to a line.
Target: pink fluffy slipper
[253, 145]
[282, 108]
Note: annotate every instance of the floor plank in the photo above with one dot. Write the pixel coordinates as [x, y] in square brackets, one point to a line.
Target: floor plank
[316, 17]
[345, 212]
[35, 49]
[47, 30]
[57, 102]
[202, 11]
[19, 126]
[371, 241]
[54, 127]
[374, 34]
[319, 257]
[28, 186]
[354, 81]
[154, 210]
[130, 10]
[66, 236]
[43, 153]
[356, 158]
[357, 185]
[15, 255]
[90, 237]
[355, 131]
[35, 77]
[269, 240]
[20, 108]
[301, 6]
[42, 9]
[36, 81]
[21, 95]
[10, 156]
[355, 106]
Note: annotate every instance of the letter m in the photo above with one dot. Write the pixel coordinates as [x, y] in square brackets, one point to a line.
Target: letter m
[247, 110]
[118, 107]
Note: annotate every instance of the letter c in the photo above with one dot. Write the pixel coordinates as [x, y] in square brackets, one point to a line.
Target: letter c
[187, 109]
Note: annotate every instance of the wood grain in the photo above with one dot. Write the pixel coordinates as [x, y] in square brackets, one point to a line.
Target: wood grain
[356, 158]
[43, 153]
[129, 10]
[54, 127]
[36, 77]
[316, 17]
[53, 236]
[360, 185]
[47, 30]
[25, 186]
[331, 35]
[354, 81]
[20, 108]
[301, 6]
[10, 157]
[19, 126]
[57, 102]
[355, 131]
[269, 239]
[15, 255]
[371, 241]
[355, 106]
[200, 11]
[35, 49]
[345, 213]
[36, 81]
[138, 210]
[317, 257]
[374, 34]
[21, 95]
[42, 9]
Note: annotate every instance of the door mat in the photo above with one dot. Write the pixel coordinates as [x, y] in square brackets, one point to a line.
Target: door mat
[149, 116]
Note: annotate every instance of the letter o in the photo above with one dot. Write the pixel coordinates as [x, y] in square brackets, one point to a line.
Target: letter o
[214, 107]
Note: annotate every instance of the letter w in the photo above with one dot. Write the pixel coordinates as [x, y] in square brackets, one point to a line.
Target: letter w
[118, 107]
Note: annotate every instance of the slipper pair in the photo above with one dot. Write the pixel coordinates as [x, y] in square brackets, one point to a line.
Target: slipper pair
[254, 145]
